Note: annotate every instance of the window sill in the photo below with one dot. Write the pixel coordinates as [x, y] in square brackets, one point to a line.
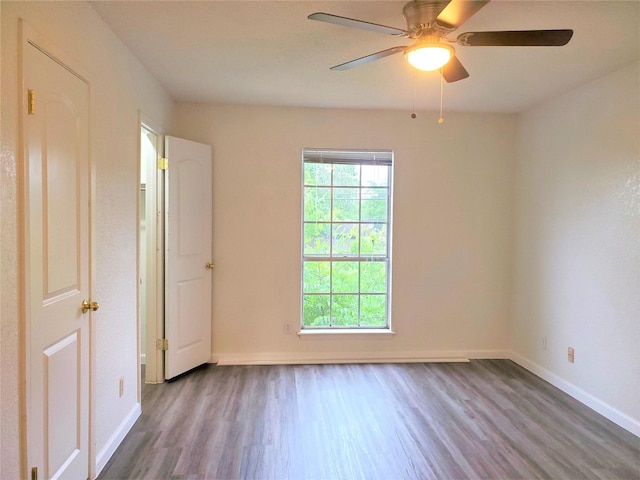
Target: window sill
[321, 332]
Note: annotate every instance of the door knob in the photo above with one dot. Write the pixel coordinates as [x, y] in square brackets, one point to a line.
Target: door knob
[87, 305]
[209, 266]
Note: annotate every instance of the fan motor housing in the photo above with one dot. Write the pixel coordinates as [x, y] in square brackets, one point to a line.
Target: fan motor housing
[421, 15]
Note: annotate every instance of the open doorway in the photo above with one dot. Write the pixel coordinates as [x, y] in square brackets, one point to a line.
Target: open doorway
[151, 284]
[174, 255]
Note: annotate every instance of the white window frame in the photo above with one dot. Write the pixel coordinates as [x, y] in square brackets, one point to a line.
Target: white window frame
[350, 157]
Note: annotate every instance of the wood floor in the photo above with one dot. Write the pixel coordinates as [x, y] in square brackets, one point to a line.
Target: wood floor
[486, 419]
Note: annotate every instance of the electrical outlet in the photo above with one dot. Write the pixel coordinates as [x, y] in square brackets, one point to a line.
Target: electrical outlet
[570, 355]
[286, 328]
[121, 387]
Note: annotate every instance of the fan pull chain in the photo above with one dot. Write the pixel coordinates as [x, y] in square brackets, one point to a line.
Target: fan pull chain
[413, 105]
[441, 119]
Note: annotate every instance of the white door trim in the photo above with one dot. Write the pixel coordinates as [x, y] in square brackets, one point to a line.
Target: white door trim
[155, 300]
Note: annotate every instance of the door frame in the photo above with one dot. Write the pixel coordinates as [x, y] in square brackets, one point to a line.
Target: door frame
[154, 370]
[29, 36]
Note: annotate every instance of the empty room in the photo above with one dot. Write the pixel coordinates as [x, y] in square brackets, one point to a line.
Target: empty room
[320, 239]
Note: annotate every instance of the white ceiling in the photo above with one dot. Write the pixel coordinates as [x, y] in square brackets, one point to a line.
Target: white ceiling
[268, 52]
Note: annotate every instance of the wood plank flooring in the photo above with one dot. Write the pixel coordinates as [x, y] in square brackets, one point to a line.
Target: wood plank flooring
[487, 419]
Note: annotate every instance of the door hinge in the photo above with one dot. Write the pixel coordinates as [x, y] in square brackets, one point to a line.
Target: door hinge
[163, 163]
[31, 103]
[34, 473]
[162, 344]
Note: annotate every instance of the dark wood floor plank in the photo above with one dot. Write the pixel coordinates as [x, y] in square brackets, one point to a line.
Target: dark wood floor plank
[486, 419]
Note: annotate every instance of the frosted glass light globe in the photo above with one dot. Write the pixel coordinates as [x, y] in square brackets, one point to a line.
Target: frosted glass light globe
[429, 56]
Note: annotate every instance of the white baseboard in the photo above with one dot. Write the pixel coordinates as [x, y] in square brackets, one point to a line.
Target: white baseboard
[616, 416]
[114, 441]
[352, 357]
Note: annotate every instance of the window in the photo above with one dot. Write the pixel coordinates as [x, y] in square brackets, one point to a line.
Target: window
[346, 263]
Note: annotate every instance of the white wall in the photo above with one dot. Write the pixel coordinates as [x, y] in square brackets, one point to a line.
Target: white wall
[119, 87]
[451, 240]
[577, 248]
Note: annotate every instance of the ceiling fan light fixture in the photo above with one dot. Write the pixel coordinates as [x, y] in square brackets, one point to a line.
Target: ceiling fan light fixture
[429, 56]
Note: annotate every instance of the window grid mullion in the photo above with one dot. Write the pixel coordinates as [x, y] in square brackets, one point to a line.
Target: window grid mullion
[359, 239]
[331, 252]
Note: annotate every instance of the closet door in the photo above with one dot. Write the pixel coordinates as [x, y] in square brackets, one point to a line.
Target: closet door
[57, 265]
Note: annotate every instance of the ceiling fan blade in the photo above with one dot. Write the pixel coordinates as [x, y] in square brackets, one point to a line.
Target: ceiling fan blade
[454, 71]
[352, 22]
[369, 58]
[522, 38]
[459, 11]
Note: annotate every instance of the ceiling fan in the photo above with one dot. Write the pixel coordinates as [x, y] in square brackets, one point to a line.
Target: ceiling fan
[429, 22]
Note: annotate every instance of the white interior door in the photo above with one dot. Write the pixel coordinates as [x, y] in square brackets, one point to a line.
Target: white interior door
[188, 248]
[57, 182]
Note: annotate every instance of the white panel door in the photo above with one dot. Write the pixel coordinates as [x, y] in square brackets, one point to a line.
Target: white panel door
[56, 267]
[187, 255]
